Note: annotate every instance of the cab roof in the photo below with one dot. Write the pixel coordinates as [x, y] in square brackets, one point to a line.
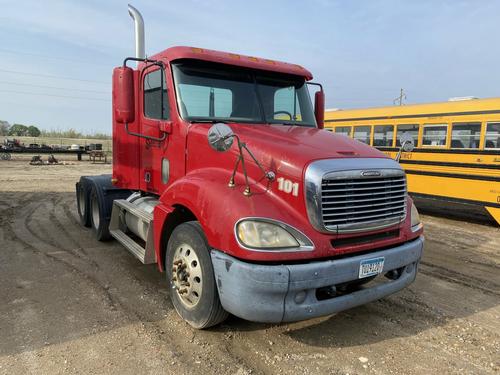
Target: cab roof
[177, 53]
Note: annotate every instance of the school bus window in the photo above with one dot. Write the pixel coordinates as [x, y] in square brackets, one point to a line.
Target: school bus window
[362, 134]
[465, 134]
[412, 129]
[383, 135]
[492, 139]
[344, 130]
[434, 135]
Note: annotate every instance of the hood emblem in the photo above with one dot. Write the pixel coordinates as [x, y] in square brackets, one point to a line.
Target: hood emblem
[371, 174]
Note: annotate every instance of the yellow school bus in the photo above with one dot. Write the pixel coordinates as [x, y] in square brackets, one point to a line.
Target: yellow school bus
[457, 148]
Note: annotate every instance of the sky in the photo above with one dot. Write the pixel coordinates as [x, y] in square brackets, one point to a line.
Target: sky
[56, 57]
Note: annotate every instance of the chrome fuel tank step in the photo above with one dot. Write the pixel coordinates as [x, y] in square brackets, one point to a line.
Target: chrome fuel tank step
[131, 225]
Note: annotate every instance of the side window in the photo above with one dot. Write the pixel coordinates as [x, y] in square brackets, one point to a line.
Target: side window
[362, 134]
[492, 139]
[412, 129]
[286, 103]
[345, 130]
[434, 135]
[383, 135]
[465, 135]
[152, 96]
[206, 101]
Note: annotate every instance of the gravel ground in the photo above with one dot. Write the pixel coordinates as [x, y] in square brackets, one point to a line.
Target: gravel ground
[70, 304]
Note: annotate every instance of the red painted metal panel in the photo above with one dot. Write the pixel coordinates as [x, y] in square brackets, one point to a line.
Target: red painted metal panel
[125, 146]
[176, 53]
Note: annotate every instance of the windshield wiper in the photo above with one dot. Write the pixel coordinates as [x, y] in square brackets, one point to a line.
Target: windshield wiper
[288, 123]
[208, 121]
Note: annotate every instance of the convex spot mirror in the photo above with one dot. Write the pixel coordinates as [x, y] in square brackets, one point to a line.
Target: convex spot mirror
[406, 141]
[220, 137]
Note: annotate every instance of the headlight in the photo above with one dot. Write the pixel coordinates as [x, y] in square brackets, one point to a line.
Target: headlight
[415, 219]
[269, 234]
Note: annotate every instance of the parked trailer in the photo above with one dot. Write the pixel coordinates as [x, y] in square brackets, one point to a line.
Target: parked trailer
[223, 177]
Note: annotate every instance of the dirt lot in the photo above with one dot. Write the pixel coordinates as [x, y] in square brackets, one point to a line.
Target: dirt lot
[69, 304]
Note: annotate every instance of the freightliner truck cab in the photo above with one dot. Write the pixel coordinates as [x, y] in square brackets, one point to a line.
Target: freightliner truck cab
[224, 177]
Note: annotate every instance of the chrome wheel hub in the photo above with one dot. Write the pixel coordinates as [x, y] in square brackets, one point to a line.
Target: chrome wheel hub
[186, 275]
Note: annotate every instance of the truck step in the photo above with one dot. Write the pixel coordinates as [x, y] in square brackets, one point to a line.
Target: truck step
[137, 250]
[146, 254]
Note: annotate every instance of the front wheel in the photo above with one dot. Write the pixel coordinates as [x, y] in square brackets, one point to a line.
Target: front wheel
[190, 274]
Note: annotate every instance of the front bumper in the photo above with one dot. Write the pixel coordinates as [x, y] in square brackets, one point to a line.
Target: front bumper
[287, 293]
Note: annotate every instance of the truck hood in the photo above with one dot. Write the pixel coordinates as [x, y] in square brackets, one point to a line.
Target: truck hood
[288, 149]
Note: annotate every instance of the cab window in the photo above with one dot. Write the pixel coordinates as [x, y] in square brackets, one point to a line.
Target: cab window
[362, 134]
[411, 129]
[152, 96]
[434, 135]
[286, 104]
[206, 101]
[344, 130]
[465, 135]
[383, 135]
[492, 139]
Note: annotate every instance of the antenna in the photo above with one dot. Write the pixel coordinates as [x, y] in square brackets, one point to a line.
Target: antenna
[400, 98]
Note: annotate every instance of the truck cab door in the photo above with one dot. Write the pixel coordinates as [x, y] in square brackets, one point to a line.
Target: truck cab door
[154, 123]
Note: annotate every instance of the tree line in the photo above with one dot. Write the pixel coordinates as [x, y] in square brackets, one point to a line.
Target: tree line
[20, 130]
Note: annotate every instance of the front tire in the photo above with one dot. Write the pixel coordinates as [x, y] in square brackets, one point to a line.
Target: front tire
[190, 274]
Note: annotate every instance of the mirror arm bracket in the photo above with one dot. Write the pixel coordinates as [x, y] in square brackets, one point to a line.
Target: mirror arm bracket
[316, 84]
[151, 138]
[398, 156]
[146, 60]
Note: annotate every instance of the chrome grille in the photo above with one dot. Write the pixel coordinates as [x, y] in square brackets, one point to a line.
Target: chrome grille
[352, 202]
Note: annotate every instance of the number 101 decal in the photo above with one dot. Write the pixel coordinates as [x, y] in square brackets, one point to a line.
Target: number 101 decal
[288, 186]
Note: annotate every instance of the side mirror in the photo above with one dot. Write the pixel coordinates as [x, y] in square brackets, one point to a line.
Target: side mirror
[220, 137]
[406, 141]
[319, 108]
[407, 145]
[123, 95]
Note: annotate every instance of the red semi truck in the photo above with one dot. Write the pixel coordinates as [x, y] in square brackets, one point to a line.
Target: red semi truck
[224, 177]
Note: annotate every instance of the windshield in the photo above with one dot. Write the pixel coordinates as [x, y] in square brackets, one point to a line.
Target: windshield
[216, 92]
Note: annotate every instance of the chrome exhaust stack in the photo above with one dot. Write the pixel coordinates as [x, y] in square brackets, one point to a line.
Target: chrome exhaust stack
[139, 32]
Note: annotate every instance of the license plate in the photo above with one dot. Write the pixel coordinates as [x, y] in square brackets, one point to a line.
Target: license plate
[370, 267]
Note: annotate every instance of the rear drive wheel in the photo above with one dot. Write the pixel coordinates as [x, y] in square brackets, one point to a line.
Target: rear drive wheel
[100, 225]
[190, 274]
[82, 204]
